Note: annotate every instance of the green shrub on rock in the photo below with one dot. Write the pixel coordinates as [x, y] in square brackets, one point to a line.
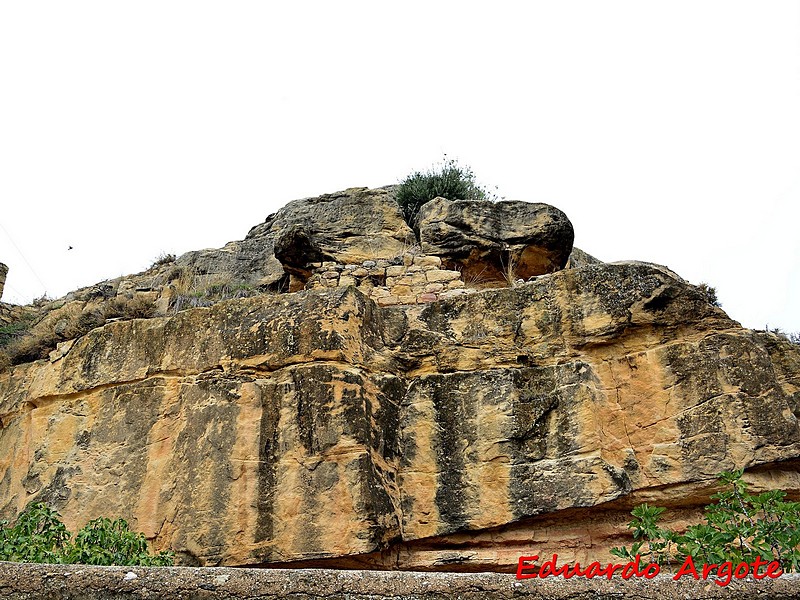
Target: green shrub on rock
[710, 294]
[447, 179]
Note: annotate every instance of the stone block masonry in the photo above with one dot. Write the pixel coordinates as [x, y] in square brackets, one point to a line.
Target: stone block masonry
[407, 279]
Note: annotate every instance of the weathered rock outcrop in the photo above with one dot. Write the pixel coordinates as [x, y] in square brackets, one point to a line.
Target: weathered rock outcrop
[496, 241]
[351, 226]
[3, 273]
[319, 428]
[488, 242]
[578, 258]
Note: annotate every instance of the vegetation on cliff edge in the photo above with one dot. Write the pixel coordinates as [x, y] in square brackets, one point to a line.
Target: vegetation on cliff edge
[447, 179]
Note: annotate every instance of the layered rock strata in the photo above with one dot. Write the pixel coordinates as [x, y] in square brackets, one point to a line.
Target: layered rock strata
[321, 428]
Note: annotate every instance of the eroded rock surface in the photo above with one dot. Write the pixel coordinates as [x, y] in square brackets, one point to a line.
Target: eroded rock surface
[3, 273]
[351, 226]
[578, 258]
[318, 428]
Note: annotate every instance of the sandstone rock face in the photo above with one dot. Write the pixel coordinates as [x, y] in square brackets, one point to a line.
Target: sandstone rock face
[496, 241]
[3, 273]
[578, 258]
[251, 261]
[318, 428]
[351, 226]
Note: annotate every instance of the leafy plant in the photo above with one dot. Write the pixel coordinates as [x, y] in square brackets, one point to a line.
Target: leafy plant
[40, 536]
[106, 542]
[37, 536]
[739, 527]
[447, 179]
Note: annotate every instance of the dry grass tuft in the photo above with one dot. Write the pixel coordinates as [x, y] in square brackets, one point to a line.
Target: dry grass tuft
[35, 339]
[510, 271]
[192, 289]
[121, 307]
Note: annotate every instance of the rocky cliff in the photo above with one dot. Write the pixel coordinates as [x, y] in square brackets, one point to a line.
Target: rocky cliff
[323, 426]
[3, 273]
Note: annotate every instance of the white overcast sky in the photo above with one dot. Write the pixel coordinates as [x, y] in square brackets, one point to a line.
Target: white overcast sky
[667, 131]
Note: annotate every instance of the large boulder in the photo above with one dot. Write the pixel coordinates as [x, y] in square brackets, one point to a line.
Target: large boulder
[250, 261]
[351, 226]
[492, 242]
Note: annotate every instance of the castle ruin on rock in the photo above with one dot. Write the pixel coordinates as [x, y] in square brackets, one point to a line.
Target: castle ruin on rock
[334, 390]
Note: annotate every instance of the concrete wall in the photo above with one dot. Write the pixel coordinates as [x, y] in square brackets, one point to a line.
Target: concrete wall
[80, 582]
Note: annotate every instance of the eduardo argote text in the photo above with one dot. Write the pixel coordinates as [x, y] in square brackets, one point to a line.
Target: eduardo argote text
[723, 573]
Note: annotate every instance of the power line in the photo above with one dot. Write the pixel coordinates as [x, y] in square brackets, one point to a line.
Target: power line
[8, 286]
[35, 274]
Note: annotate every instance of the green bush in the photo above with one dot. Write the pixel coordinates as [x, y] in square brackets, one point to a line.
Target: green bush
[106, 542]
[710, 294]
[40, 536]
[37, 536]
[738, 528]
[447, 179]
